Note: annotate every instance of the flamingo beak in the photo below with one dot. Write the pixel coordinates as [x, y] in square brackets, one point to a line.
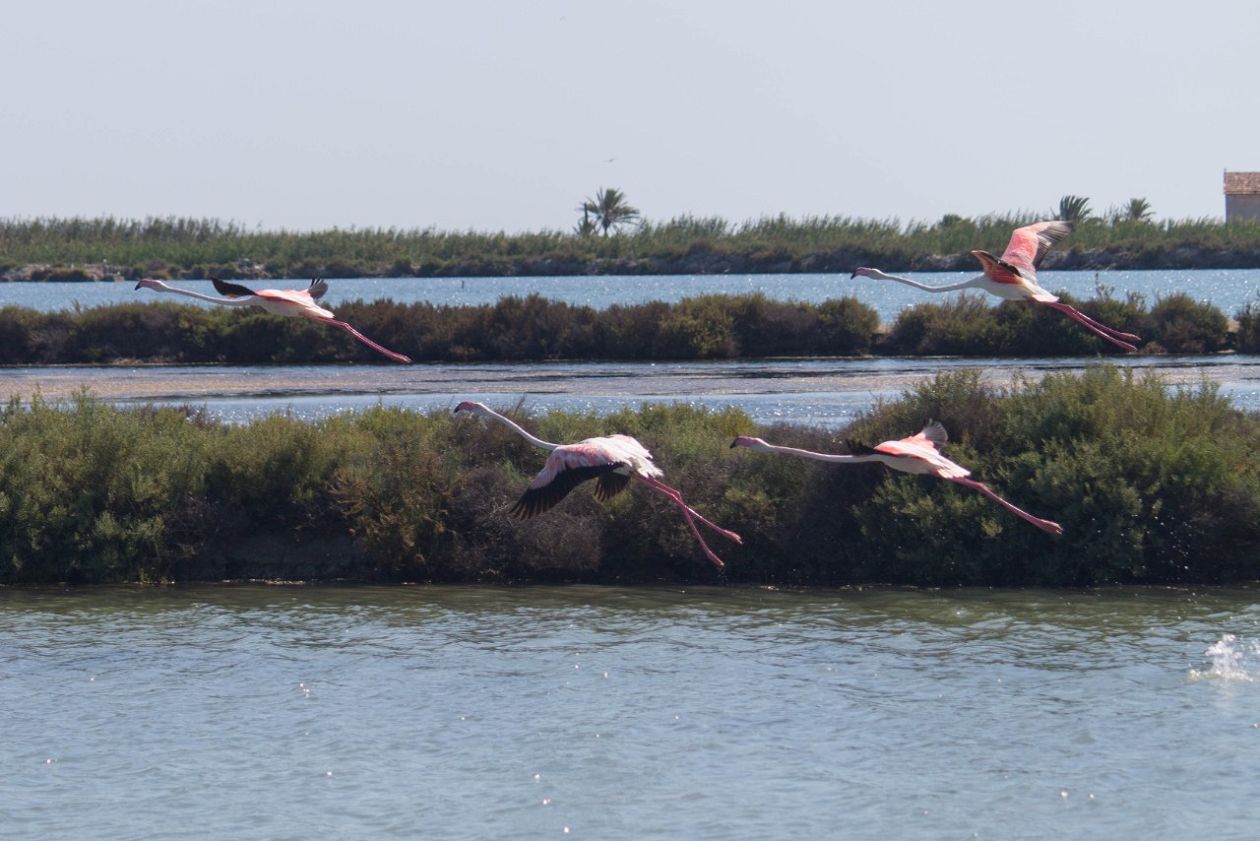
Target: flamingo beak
[734, 443]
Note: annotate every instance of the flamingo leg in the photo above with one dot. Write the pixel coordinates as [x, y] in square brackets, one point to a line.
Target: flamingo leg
[1109, 330]
[690, 515]
[1098, 329]
[1044, 525]
[341, 325]
[676, 495]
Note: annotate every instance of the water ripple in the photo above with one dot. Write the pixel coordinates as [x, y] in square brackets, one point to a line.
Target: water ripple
[466, 712]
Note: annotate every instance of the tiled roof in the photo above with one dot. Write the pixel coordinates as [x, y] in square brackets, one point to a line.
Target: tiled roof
[1242, 182]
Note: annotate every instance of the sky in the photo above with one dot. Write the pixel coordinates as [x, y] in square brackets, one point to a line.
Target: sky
[504, 115]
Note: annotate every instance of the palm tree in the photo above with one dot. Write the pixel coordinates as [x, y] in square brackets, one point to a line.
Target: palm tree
[1074, 208]
[587, 226]
[1138, 210]
[610, 209]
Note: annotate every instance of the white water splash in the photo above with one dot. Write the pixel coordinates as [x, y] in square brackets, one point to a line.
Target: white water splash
[1228, 657]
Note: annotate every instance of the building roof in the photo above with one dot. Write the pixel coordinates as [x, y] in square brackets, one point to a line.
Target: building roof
[1241, 183]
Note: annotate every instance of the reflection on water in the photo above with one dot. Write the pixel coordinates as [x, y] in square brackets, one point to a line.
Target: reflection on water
[466, 712]
[820, 392]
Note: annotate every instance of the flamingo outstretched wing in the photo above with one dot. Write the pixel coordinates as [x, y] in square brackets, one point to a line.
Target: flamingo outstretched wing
[927, 441]
[610, 484]
[925, 448]
[318, 288]
[232, 290]
[1030, 243]
[539, 498]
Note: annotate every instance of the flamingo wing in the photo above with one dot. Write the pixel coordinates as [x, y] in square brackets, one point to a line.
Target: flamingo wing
[318, 288]
[610, 484]
[232, 290]
[924, 447]
[301, 297]
[539, 498]
[927, 442]
[934, 433]
[1030, 243]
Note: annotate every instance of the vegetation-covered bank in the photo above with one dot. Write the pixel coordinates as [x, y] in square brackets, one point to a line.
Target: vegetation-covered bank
[86, 249]
[1149, 485]
[532, 328]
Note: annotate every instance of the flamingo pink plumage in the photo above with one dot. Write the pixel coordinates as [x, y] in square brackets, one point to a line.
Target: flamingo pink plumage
[299, 303]
[612, 460]
[1013, 276]
[917, 454]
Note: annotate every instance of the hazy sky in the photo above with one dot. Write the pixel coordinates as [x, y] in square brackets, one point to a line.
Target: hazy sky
[493, 115]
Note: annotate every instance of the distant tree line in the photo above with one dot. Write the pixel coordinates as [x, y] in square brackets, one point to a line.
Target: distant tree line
[611, 237]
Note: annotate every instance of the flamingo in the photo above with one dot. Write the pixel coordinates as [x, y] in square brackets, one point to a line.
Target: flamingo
[613, 460]
[916, 454]
[300, 303]
[1013, 276]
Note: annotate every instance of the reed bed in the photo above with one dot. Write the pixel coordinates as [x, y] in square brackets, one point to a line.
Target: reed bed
[80, 248]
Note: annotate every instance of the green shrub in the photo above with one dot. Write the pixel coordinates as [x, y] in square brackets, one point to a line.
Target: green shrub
[1151, 485]
[1180, 324]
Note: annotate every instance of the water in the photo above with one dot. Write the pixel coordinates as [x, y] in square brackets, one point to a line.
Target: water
[1228, 289]
[606, 713]
[817, 392]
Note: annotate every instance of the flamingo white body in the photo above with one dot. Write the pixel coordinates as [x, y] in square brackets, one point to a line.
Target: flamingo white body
[295, 303]
[612, 460]
[917, 454]
[1013, 277]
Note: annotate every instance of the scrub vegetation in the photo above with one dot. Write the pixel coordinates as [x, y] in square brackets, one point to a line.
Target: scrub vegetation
[534, 329]
[1151, 484]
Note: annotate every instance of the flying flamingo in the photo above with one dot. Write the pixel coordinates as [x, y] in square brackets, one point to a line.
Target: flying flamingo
[611, 459]
[916, 454]
[1013, 276]
[292, 302]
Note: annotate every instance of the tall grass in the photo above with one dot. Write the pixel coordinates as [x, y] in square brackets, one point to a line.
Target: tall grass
[70, 248]
[1151, 484]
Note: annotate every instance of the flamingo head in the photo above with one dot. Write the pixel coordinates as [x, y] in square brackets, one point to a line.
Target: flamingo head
[149, 283]
[863, 271]
[470, 406]
[748, 441]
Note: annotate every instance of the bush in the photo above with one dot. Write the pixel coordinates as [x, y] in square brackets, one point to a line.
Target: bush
[1179, 324]
[1151, 485]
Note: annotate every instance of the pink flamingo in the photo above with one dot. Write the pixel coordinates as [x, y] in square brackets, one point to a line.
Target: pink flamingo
[300, 303]
[613, 460]
[916, 454]
[1013, 276]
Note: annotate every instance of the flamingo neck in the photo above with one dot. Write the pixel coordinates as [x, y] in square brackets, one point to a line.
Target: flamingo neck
[810, 454]
[952, 287]
[214, 299]
[517, 428]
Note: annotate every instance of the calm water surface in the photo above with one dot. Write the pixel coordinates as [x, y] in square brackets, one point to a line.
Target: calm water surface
[819, 392]
[1228, 289]
[451, 712]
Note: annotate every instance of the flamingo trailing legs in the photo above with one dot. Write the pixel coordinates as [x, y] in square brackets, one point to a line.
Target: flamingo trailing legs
[1013, 276]
[612, 460]
[916, 454]
[298, 303]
